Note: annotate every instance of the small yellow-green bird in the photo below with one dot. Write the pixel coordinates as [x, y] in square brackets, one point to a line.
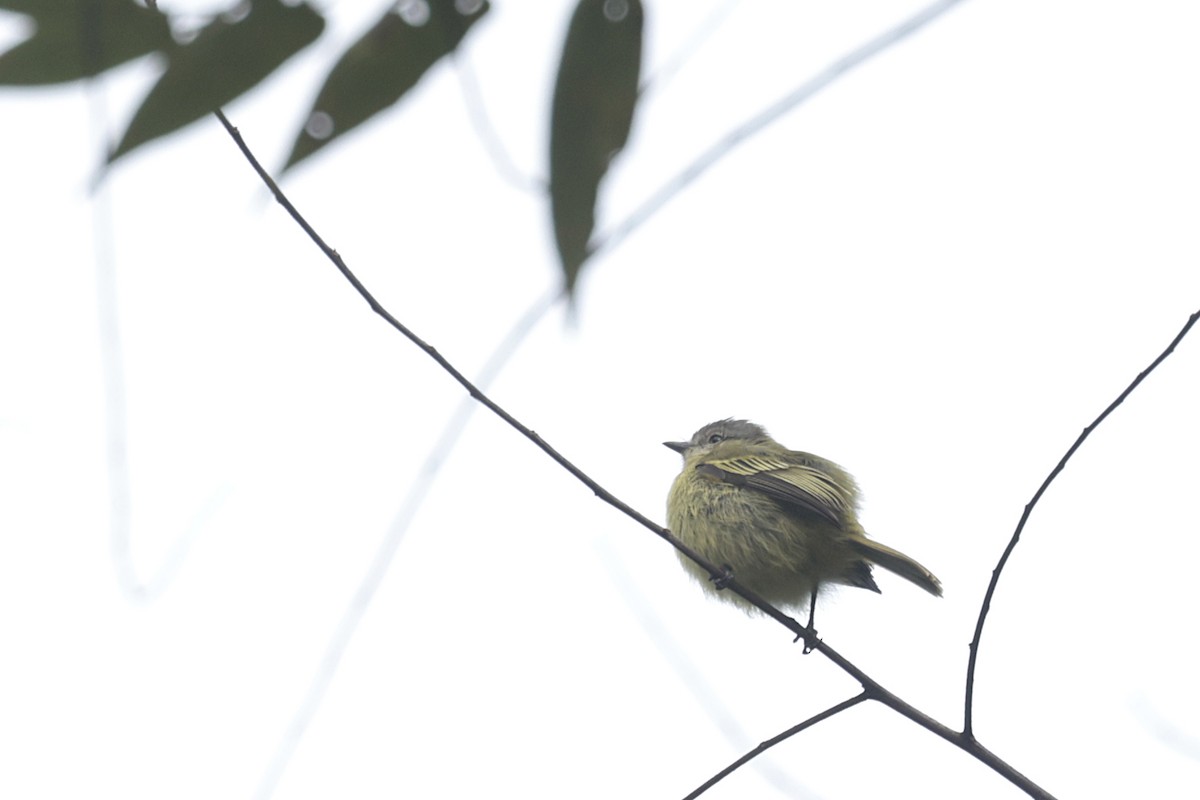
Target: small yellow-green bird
[783, 522]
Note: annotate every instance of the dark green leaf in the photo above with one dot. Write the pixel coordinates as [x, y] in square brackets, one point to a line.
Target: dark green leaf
[594, 97]
[382, 66]
[226, 59]
[80, 39]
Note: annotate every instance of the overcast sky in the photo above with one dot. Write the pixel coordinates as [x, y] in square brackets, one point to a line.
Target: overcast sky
[936, 273]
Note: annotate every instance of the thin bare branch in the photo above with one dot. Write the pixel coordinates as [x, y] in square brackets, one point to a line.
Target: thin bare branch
[968, 713]
[431, 351]
[769, 743]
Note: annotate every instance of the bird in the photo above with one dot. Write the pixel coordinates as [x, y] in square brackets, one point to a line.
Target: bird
[783, 523]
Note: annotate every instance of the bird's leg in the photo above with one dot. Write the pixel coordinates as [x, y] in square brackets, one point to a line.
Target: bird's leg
[722, 580]
[810, 635]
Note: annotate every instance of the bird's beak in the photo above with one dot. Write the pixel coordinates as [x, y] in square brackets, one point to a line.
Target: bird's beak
[678, 447]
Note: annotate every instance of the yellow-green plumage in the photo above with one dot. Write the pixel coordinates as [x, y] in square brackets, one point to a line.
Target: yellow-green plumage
[784, 522]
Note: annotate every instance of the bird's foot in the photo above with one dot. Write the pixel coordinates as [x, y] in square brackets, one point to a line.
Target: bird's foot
[722, 580]
[809, 635]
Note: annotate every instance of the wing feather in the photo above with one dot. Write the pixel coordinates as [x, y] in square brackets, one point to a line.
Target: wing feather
[801, 485]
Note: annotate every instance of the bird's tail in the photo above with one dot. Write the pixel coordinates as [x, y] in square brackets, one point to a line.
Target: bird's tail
[897, 562]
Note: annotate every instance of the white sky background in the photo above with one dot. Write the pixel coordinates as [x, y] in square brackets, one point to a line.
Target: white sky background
[936, 273]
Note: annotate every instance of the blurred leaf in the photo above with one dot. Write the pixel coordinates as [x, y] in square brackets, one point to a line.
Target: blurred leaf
[594, 98]
[78, 39]
[228, 57]
[383, 65]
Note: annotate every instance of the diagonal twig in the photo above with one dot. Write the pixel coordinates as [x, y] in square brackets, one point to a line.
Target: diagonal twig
[774, 740]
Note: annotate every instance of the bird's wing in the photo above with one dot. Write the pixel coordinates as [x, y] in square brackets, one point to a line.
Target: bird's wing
[801, 485]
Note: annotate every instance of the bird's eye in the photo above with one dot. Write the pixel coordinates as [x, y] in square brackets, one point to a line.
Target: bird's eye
[716, 437]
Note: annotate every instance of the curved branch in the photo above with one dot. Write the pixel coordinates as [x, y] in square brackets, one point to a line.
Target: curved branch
[968, 712]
